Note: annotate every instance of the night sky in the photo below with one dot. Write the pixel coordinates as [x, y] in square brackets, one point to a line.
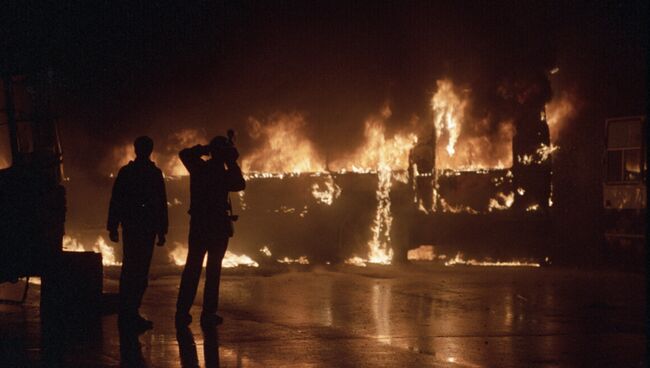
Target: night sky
[123, 69]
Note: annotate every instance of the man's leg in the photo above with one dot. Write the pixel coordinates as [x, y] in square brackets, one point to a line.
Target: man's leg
[144, 254]
[138, 249]
[127, 276]
[190, 277]
[216, 253]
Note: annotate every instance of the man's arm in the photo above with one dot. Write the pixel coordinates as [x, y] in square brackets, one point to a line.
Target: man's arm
[115, 207]
[163, 220]
[191, 157]
[234, 178]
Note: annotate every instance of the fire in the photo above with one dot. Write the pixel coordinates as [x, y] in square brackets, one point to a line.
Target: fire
[563, 107]
[231, 260]
[446, 207]
[380, 251]
[282, 147]
[422, 253]
[502, 201]
[121, 156]
[459, 260]
[356, 261]
[532, 208]
[328, 194]
[448, 111]
[172, 165]
[178, 256]
[383, 155]
[300, 260]
[541, 155]
[108, 253]
[462, 143]
[378, 152]
[166, 158]
[71, 244]
[544, 152]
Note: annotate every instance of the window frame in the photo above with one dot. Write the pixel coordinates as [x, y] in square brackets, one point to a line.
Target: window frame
[623, 150]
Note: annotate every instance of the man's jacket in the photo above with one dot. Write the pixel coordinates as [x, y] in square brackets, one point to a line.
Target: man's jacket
[139, 201]
[210, 183]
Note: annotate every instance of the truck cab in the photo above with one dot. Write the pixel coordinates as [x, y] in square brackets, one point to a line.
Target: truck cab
[32, 199]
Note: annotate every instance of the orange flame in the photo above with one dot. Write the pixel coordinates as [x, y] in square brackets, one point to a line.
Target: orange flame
[458, 151]
[283, 146]
[178, 256]
[71, 244]
[378, 150]
[563, 107]
[459, 260]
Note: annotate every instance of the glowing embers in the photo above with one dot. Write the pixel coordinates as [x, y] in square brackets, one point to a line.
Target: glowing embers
[427, 253]
[532, 208]
[501, 202]
[266, 251]
[328, 194]
[541, 155]
[71, 244]
[459, 260]
[445, 207]
[300, 260]
[421, 253]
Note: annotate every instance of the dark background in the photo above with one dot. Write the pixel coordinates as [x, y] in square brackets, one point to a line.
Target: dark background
[123, 69]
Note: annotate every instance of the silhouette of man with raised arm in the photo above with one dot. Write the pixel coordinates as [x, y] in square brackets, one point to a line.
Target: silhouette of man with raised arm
[210, 224]
[139, 204]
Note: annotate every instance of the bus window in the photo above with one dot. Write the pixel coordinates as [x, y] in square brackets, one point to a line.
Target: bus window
[624, 159]
[632, 167]
[614, 167]
[623, 134]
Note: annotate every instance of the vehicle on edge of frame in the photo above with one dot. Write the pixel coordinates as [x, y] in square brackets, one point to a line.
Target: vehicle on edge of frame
[624, 190]
[33, 201]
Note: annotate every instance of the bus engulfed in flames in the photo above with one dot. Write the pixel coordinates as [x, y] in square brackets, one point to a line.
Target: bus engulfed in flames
[448, 180]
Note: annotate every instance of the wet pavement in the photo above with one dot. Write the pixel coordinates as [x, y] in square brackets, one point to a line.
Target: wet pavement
[410, 316]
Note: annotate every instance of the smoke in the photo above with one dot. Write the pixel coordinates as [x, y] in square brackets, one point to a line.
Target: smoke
[213, 69]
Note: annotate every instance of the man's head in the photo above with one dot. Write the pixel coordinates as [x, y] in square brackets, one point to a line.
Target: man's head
[222, 149]
[143, 146]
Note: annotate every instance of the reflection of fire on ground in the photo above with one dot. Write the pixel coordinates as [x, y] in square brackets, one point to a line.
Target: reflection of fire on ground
[462, 144]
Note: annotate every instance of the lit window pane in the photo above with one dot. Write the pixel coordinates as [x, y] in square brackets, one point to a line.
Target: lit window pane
[5, 147]
[632, 165]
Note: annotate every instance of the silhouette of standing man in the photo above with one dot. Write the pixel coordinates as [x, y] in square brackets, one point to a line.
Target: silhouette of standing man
[210, 224]
[139, 204]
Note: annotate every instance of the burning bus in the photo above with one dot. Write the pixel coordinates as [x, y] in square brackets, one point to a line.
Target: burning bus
[433, 189]
[436, 190]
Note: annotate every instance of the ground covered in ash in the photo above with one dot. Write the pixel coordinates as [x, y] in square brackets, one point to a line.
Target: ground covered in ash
[379, 316]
